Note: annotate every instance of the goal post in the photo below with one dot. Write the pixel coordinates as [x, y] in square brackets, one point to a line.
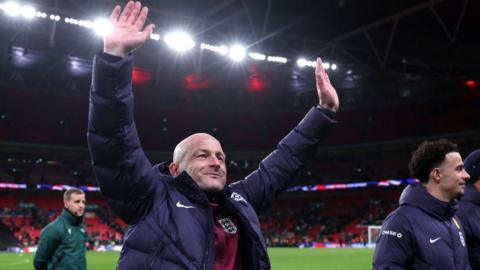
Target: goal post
[373, 233]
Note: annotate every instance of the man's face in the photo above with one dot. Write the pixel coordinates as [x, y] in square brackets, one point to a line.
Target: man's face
[76, 204]
[204, 161]
[453, 175]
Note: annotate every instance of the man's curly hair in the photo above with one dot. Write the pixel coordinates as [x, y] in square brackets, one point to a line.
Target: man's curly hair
[429, 155]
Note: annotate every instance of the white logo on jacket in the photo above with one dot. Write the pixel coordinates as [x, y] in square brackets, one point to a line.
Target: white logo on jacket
[180, 205]
[228, 225]
[392, 233]
[237, 197]
[462, 240]
[434, 240]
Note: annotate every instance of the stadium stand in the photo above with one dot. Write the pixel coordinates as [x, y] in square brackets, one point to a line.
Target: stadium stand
[24, 215]
[367, 145]
[297, 219]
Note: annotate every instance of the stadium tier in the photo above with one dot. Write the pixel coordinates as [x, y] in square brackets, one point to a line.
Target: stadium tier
[335, 217]
[62, 120]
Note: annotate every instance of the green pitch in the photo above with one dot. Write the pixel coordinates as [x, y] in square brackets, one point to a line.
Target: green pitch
[282, 259]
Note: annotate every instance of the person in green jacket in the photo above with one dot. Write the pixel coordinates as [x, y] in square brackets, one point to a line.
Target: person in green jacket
[62, 242]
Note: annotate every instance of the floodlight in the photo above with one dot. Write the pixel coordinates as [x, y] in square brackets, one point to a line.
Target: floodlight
[42, 15]
[28, 12]
[302, 62]
[218, 49]
[277, 59]
[12, 9]
[179, 41]
[257, 56]
[102, 27]
[237, 52]
[155, 36]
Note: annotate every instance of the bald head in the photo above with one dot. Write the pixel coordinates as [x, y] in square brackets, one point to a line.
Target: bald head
[202, 157]
[182, 147]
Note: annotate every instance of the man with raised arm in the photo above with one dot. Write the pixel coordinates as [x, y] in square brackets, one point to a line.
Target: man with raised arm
[183, 215]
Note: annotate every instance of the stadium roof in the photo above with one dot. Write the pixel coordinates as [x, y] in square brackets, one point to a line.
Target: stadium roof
[431, 33]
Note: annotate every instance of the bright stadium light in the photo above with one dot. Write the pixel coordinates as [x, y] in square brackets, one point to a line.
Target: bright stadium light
[42, 15]
[213, 48]
[28, 12]
[12, 9]
[155, 36]
[277, 59]
[179, 41]
[326, 65]
[237, 52]
[302, 62]
[54, 17]
[87, 24]
[257, 56]
[102, 27]
[334, 66]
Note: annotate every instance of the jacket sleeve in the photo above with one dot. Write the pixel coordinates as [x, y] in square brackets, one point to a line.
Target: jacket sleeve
[281, 166]
[394, 248]
[50, 238]
[124, 173]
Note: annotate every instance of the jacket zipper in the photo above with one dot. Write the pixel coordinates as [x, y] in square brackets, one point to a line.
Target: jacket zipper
[452, 242]
[251, 231]
[209, 236]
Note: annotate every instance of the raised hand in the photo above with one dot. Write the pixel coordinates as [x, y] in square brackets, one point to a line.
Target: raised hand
[327, 94]
[127, 25]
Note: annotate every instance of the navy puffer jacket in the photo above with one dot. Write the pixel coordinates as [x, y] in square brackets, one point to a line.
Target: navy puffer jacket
[423, 233]
[170, 221]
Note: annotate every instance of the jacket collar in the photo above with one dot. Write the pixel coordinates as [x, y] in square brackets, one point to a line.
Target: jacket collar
[416, 195]
[190, 189]
[471, 195]
[71, 218]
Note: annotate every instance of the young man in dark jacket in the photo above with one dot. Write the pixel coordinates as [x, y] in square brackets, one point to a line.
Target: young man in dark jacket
[62, 242]
[469, 209]
[424, 233]
[183, 215]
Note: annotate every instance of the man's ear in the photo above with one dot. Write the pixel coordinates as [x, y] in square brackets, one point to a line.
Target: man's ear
[173, 169]
[436, 175]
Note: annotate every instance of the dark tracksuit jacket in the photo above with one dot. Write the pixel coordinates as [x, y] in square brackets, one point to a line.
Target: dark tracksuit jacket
[469, 215]
[62, 244]
[423, 233]
[170, 220]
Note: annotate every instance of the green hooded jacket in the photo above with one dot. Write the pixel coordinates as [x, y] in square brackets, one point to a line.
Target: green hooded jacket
[62, 244]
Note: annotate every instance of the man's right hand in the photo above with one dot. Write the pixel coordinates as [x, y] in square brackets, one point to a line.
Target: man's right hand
[127, 25]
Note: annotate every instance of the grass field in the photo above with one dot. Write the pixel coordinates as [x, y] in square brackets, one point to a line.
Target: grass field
[282, 259]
